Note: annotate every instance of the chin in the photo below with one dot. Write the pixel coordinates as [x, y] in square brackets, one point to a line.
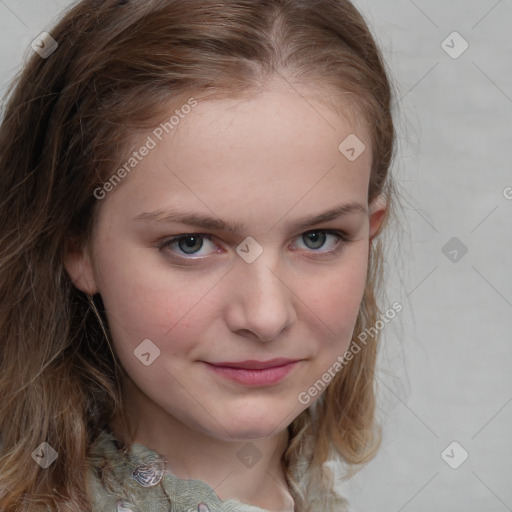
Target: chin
[251, 427]
[250, 433]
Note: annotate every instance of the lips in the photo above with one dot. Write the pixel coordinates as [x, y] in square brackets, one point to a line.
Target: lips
[252, 364]
[255, 373]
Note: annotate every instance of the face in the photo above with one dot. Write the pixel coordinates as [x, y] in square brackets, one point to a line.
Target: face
[229, 309]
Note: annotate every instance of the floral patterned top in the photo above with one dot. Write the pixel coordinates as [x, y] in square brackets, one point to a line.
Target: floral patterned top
[138, 482]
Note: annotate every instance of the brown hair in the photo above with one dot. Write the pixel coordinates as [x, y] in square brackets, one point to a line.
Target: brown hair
[66, 124]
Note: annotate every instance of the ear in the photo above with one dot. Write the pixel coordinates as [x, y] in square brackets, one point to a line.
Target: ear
[77, 262]
[377, 209]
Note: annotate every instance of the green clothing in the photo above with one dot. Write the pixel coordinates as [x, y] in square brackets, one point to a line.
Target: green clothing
[140, 484]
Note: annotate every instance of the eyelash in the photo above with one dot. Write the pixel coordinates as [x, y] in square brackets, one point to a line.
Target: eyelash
[341, 235]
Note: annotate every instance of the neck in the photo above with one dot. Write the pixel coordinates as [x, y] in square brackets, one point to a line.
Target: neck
[251, 472]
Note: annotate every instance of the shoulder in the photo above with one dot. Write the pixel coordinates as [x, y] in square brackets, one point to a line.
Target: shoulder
[104, 473]
[113, 483]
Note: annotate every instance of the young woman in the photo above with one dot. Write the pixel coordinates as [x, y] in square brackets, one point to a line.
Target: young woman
[191, 197]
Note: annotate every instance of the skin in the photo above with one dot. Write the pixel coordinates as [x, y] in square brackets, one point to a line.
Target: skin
[264, 162]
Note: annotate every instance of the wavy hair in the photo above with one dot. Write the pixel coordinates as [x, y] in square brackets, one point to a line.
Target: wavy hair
[67, 120]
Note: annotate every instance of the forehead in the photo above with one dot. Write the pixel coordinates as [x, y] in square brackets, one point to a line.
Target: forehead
[259, 153]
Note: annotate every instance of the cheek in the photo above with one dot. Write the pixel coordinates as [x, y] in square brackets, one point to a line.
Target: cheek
[335, 296]
[334, 302]
[145, 301]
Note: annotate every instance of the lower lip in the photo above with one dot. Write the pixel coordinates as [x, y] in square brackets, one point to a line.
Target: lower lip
[264, 377]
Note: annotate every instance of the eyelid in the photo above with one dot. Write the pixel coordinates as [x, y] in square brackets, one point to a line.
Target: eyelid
[168, 241]
[343, 238]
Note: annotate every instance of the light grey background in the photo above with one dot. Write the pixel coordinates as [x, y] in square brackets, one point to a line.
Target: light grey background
[444, 373]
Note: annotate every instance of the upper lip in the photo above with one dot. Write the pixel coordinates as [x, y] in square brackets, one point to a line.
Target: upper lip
[252, 364]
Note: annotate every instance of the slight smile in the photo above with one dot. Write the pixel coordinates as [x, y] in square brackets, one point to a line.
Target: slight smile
[255, 373]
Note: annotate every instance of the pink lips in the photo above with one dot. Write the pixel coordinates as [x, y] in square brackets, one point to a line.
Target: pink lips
[255, 373]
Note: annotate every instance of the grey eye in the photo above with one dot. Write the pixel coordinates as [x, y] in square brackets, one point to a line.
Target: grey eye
[316, 238]
[190, 244]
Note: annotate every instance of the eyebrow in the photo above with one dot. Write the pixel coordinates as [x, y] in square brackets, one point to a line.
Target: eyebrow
[217, 224]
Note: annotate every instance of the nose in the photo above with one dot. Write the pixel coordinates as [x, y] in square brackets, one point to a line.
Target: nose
[261, 303]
